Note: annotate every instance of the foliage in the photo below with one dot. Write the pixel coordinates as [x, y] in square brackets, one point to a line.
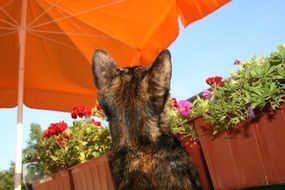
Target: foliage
[31, 153]
[61, 147]
[179, 118]
[7, 178]
[258, 85]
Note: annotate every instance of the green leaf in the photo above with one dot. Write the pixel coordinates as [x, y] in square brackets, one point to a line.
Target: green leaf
[54, 158]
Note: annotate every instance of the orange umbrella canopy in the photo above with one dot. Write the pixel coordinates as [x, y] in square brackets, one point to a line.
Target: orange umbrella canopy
[61, 36]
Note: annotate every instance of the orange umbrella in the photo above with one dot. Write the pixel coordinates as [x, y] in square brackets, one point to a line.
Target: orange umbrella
[46, 46]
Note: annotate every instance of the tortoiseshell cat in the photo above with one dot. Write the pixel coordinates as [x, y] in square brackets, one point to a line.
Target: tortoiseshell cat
[144, 155]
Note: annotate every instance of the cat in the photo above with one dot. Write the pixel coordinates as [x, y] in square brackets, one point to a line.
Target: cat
[144, 155]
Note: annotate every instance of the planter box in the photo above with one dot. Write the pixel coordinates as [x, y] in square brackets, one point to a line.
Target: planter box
[92, 175]
[252, 155]
[57, 181]
[194, 150]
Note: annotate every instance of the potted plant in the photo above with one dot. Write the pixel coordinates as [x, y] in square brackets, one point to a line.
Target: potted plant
[61, 147]
[240, 123]
[94, 173]
[236, 127]
[181, 126]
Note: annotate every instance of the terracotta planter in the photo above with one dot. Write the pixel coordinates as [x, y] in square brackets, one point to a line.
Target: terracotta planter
[92, 175]
[253, 155]
[195, 152]
[57, 181]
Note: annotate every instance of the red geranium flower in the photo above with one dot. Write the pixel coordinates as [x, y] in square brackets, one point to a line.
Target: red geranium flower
[96, 123]
[61, 142]
[210, 80]
[55, 129]
[66, 136]
[214, 80]
[81, 111]
[218, 80]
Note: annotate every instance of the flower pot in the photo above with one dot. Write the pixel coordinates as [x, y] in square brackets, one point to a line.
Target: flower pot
[57, 181]
[252, 155]
[92, 175]
[194, 150]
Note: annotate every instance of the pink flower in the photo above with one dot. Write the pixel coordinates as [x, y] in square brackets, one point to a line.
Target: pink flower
[206, 94]
[237, 62]
[184, 107]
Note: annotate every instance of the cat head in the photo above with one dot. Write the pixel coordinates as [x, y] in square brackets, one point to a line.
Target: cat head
[132, 92]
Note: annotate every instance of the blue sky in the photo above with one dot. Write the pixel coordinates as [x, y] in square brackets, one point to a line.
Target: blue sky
[208, 47]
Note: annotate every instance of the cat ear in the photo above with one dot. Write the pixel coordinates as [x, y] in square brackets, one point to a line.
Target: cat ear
[103, 68]
[160, 71]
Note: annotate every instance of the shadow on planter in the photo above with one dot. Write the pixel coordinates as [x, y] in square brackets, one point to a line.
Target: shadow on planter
[194, 150]
[251, 156]
[92, 175]
[58, 181]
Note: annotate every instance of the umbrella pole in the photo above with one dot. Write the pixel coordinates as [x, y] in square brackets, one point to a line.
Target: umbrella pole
[22, 45]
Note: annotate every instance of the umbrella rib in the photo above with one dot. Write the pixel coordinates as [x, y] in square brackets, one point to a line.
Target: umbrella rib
[69, 33]
[62, 33]
[96, 42]
[7, 33]
[55, 41]
[90, 92]
[78, 34]
[79, 28]
[45, 11]
[47, 52]
[9, 23]
[86, 22]
[78, 13]
[5, 12]
[7, 28]
[60, 43]
[9, 2]
[42, 36]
